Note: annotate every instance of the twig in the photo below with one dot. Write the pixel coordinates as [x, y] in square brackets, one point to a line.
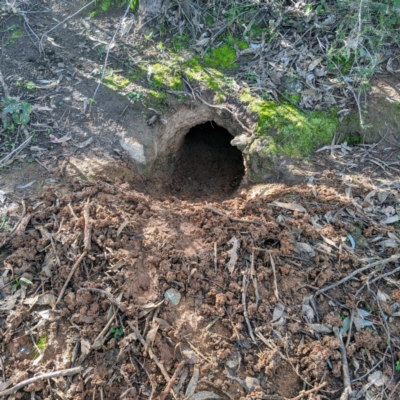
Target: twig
[307, 392]
[376, 279]
[87, 236]
[232, 219]
[152, 355]
[41, 164]
[168, 387]
[393, 258]
[56, 374]
[15, 151]
[276, 291]
[5, 87]
[62, 22]
[350, 328]
[2, 369]
[246, 315]
[346, 374]
[109, 47]
[73, 269]
[254, 278]
[153, 389]
[215, 257]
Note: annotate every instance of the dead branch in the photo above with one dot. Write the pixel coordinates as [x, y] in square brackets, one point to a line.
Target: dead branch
[232, 219]
[246, 315]
[152, 355]
[393, 258]
[276, 292]
[168, 387]
[56, 374]
[5, 87]
[346, 374]
[73, 269]
[15, 151]
[62, 22]
[87, 232]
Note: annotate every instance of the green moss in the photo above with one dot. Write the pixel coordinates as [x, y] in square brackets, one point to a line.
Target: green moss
[116, 82]
[155, 98]
[164, 76]
[222, 57]
[294, 133]
[136, 76]
[180, 43]
[212, 78]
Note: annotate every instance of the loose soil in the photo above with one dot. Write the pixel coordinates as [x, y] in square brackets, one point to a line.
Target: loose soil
[247, 261]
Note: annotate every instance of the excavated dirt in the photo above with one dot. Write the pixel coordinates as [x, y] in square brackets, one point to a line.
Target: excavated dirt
[89, 248]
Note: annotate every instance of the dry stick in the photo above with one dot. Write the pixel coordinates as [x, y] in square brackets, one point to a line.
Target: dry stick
[246, 315]
[152, 356]
[15, 151]
[276, 291]
[5, 87]
[393, 258]
[56, 374]
[346, 374]
[232, 219]
[168, 387]
[60, 23]
[376, 279]
[153, 389]
[87, 236]
[73, 269]
[254, 278]
[307, 392]
[215, 257]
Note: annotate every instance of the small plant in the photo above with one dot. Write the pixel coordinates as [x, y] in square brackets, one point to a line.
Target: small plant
[398, 366]
[101, 50]
[18, 283]
[40, 347]
[135, 96]
[14, 112]
[29, 86]
[4, 223]
[117, 332]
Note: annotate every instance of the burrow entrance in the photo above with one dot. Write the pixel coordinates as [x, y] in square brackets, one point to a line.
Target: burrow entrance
[207, 165]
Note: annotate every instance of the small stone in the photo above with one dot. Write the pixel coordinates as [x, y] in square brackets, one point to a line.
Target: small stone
[61, 65]
[241, 141]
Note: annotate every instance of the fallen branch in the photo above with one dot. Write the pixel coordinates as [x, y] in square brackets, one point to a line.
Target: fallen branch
[5, 87]
[377, 279]
[73, 269]
[152, 355]
[56, 374]
[15, 151]
[276, 291]
[246, 315]
[393, 258]
[168, 387]
[232, 219]
[87, 236]
[346, 374]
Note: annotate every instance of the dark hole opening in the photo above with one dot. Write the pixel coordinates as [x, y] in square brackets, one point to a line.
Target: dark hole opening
[207, 164]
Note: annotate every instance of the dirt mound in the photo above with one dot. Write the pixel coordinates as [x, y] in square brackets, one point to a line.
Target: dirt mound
[88, 267]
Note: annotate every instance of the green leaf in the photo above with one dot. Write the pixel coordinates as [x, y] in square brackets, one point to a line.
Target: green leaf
[26, 280]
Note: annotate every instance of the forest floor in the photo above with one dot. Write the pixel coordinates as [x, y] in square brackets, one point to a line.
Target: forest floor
[116, 286]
